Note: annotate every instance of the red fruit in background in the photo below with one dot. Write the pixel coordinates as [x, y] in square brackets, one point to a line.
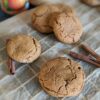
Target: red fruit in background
[16, 4]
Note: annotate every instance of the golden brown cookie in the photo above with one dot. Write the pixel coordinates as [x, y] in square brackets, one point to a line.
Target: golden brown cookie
[61, 77]
[91, 2]
[66, 8]
[41, 16]
[63, 8]
[23, 48]
[67, 28]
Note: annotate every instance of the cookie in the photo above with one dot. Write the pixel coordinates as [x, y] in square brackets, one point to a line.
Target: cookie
[42, 14]
[67, 28]
[66, 8]
[61, 77]
[63, 8]
[91, 2]
[23, 48]
[40, 18]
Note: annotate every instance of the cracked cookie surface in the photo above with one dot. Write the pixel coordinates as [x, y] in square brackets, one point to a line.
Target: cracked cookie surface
[23, 48]
[67, 28]
[63, 8]
[41, 16]
[61, 77]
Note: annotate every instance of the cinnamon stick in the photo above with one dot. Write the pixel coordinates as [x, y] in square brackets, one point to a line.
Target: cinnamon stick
[7, 40]
[93, 53]
[10, 63]
[95, 60]
[11, 66]
[83, 57]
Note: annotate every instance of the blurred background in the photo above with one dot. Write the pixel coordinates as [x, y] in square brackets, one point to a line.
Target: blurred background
[4, 14]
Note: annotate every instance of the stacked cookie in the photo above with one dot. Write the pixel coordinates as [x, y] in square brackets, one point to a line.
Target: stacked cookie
[60, 19]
